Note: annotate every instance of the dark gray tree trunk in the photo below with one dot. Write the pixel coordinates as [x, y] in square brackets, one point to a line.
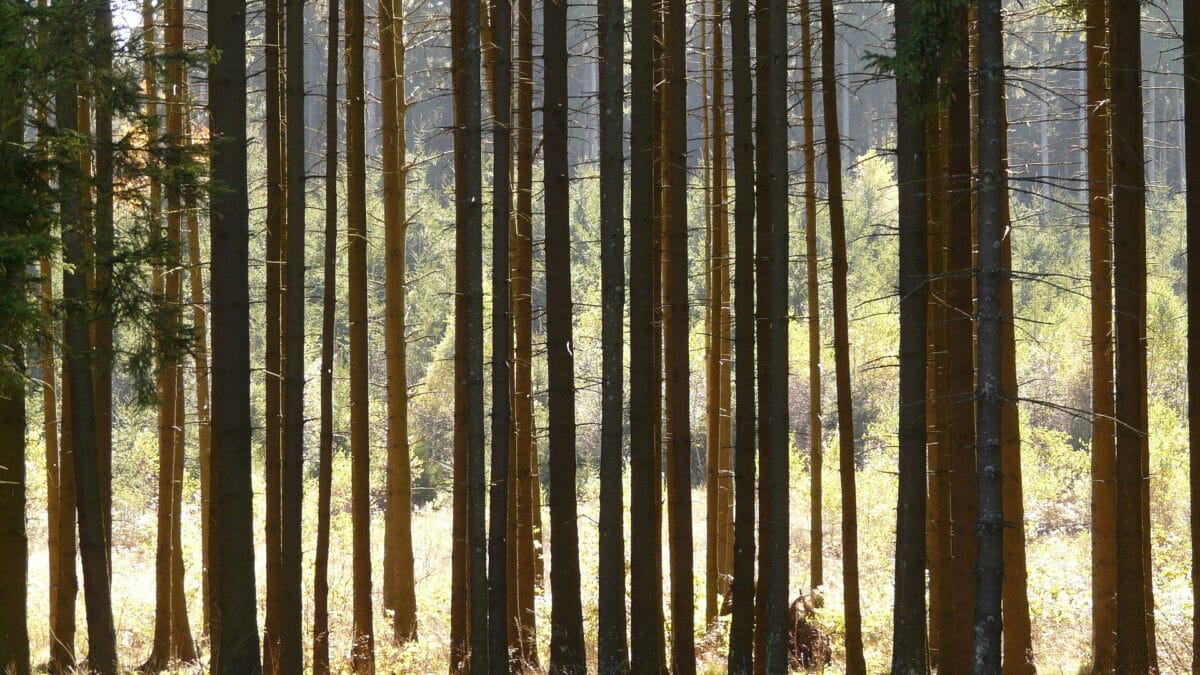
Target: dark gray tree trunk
[644, 598]
[235, 644]
[909, 656]
[611, 646]
[989, 395]
[741, 631]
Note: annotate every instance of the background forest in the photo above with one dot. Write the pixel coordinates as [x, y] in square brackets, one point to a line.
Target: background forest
[363, 474]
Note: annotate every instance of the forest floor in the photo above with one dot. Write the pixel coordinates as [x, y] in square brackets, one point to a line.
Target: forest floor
[1058, 546]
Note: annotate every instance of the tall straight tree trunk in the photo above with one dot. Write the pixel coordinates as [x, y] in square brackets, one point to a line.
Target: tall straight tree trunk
[611, 645]
[320, 648]
[182, 645]
[160, 652]
[645, 600]
[1129, 272]
[498, 543]
[712, 364]
[959, 369]
[675, 339]
[1104, 495]
[363, 648]
[102, 246]
[63, 605]
[1018, 631]
[741, 630]
[939, 551]
[725, 312]
[273, 374]
[990, 392]
[291, 656]
[1191, 106]
[841, 344]
[522, 276]
[203, 405]
[773, 587]
[14, 565]
[498, 596]
[56, 546]
[102, 652]
[909, 656]
[460, 589]
[399, 584]
[235, 640]
[567, 653]
[816, 451]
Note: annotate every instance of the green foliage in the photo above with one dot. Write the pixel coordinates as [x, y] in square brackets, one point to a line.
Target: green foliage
[934, 35]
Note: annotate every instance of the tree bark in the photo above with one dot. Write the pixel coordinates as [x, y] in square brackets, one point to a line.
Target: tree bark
[527, 517]
[1191, 104]
[910, 656]
[773, 587]
[291, 655]
[102, 652]
[644, 597]
[399, 586]
[611, 646]
[235, 643]
[567, 653]
[841, 342]
[1104, 498]
[741, 630]
[1129, 272]
[363, 649]
[816, 451]
[498, 623]
[14, 565]
[990, 393]
[320, 649]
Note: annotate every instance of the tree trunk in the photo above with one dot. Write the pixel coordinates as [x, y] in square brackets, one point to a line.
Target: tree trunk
[235, 640]
[63, 605]
[741, 630]
[990, 393]
[14, 565]
[498, 624]
[841, 344]
[399, 586]
[102, 652]
[675, 341]
[61, 639]
[567, 653]
[938, 423]
[160, 652]
[773, 587]
[1129, 272]
[320, 649]
[1191, 117]
[291, 656]
[273, 373]
[611, 646]
[645, 600]
[522, 275]
[724, 316]
[1018, 631]
[182, 646]
[203, 409]
[1104, 495]
[460, 589]
[816, 451]
[909, 656]
[960, 380]
[102, 246]
[363, 649]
